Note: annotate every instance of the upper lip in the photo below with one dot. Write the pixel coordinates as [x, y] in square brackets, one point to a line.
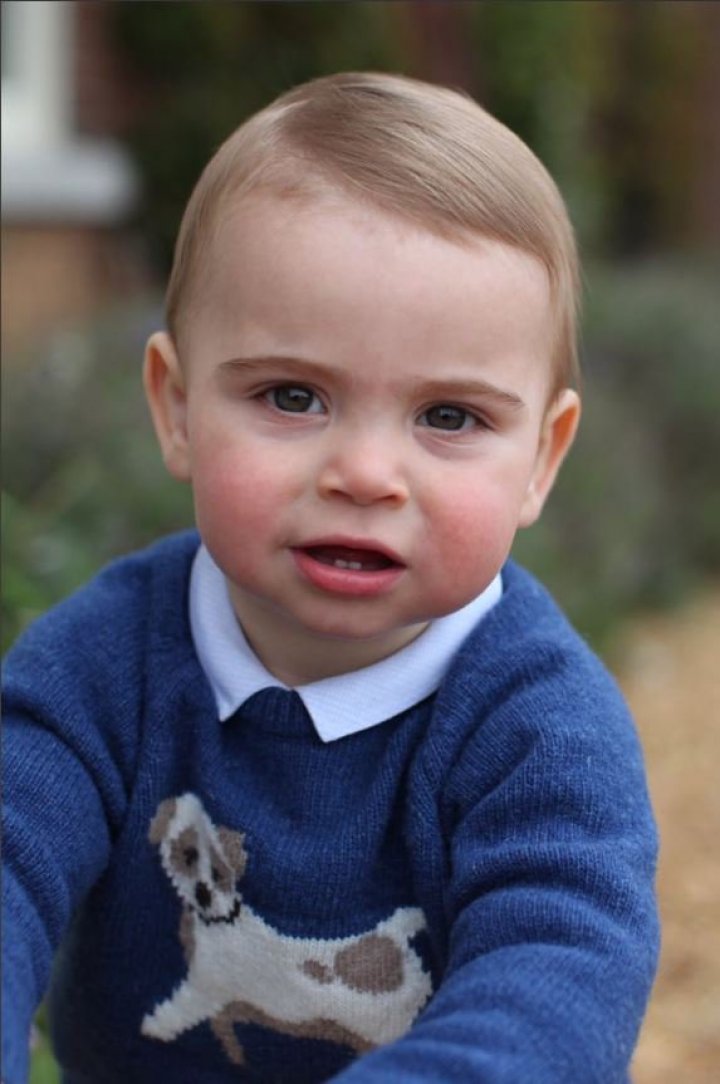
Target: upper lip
[351, 543]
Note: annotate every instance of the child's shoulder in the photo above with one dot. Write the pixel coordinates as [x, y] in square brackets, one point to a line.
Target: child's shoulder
[114, 614]
[526, 611]
[528, 704]
[526, 652]
[79, 683]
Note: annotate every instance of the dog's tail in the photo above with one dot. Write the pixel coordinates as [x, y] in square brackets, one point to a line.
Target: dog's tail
[403, 923]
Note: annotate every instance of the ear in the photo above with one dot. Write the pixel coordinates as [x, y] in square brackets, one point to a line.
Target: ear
[161, 821]
[233, 846]
[557, 434]
[167, 398]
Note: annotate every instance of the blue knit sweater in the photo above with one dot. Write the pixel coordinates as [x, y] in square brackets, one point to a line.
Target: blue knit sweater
[463, 893]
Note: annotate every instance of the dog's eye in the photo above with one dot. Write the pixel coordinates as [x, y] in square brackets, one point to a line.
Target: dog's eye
[190, 854]
[216, 876]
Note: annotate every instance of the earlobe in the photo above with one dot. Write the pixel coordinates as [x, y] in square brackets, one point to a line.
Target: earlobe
[166, 395]
[558, 432]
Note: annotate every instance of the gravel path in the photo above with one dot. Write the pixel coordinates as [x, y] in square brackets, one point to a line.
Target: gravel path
[669, 667]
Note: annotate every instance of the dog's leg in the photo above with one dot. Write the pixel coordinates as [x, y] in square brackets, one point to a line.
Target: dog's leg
[187, 1007]
[243, 1012]
[222, 1026]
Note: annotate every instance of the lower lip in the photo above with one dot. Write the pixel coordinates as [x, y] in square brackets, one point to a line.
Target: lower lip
[346, 581]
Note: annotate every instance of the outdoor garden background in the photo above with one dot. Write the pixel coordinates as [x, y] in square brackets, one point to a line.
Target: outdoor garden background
[622, 102]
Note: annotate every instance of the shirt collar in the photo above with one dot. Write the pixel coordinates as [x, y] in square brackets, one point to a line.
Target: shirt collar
[338, 706]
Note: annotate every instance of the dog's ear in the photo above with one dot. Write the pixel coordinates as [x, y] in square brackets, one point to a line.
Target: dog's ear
[160, 822]
[233, 848]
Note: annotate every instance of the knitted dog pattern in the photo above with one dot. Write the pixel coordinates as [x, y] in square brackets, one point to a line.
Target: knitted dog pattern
[361, 991]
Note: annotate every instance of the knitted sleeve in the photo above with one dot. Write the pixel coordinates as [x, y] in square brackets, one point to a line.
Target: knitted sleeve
[550, 902]
[65, 766]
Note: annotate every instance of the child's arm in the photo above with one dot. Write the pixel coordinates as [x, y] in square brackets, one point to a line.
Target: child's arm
[56, 842]
[63, 791]
[550, 902]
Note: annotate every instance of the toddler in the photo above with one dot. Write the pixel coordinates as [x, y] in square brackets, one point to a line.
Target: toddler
[330, 789]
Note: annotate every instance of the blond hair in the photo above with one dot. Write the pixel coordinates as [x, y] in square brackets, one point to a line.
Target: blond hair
[424, 153]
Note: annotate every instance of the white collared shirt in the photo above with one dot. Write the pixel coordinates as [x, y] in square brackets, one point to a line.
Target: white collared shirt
[338, 706]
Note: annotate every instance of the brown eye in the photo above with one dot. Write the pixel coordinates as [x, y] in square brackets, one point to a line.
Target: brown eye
[190, 854]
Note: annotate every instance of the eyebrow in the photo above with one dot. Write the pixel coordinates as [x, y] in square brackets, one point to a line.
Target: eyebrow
[450, 389]
[447, 388]
[256, 364]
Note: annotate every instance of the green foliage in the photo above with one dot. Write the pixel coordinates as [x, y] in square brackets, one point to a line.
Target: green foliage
[635, 518]
[43, 1067]
[606, 94]
[83, 477]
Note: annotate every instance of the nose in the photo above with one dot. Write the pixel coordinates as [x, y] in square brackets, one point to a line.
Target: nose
[364, 470]
[203, 895]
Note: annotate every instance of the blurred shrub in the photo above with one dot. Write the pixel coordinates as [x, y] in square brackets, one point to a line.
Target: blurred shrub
[611, 96]
[83, 477]
[43, 1067]
[634, 520]
[205, 67]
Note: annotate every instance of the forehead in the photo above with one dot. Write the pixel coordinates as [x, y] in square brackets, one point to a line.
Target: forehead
[329, 262]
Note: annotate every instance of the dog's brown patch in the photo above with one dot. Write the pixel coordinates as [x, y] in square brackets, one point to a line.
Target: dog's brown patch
[233, 845]
[187, 933]
[161, 821]
[318, 971]
[372, 965]
[185, 851]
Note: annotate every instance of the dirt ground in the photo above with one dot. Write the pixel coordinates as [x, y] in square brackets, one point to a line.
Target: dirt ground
[669, 667]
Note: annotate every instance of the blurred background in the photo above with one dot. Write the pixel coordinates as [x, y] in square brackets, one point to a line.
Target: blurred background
[109, 112]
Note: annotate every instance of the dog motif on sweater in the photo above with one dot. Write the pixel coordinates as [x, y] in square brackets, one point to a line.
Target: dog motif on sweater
[361, 991]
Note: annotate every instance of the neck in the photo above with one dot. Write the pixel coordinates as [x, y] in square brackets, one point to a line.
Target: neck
[297, 657]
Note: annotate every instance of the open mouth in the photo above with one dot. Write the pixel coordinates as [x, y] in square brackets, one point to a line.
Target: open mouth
[349, 569]
[355, 560]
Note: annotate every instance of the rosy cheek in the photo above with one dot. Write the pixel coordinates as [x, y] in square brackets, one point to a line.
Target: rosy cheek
[236, 499]
[472, 535]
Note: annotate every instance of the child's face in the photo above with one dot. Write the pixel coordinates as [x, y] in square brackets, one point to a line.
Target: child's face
[361, 411]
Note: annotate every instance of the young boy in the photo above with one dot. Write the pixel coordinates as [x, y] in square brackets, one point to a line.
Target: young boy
[333, 790]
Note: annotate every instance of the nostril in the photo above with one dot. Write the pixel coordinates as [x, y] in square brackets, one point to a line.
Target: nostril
[203, 895]
[364, 480]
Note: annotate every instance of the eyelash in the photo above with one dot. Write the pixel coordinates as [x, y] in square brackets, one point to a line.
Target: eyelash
[477, 421]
